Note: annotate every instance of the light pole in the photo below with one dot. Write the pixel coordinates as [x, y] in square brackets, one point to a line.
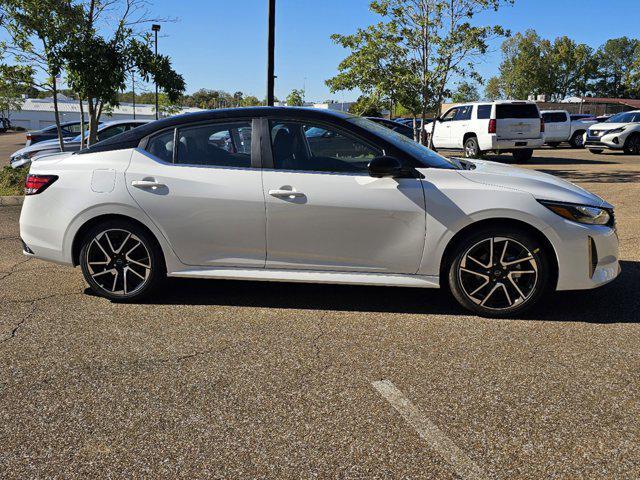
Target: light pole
[156, 28]
[271, 46]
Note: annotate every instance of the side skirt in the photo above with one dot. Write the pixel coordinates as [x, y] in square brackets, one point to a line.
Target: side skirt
[309, 276]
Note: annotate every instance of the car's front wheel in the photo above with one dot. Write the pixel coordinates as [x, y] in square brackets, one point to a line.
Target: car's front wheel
[121, 261]
[499, 271]
[632, 144]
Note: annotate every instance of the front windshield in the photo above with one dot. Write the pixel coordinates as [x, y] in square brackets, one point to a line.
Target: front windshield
[426, 157]
[624, 117]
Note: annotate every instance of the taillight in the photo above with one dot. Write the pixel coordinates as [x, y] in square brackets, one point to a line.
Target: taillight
[35, 184]
[541, 126]
[492, 125]
[29, 136]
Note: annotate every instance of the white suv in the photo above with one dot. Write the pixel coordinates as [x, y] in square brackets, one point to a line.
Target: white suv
[504, 126]
[619, 132]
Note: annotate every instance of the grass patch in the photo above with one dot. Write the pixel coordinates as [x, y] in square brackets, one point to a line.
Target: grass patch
[12, 180]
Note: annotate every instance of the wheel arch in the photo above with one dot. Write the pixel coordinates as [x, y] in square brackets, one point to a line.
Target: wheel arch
[467, 136]
[447, 256]
[81, 233]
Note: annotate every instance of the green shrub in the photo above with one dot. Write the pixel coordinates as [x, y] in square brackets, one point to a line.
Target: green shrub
[12, 180]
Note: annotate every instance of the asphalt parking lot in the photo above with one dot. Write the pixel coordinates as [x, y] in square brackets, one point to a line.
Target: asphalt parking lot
[256, 380]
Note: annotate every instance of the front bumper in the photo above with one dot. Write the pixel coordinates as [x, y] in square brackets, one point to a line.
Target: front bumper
[610, 142]
[588, 255]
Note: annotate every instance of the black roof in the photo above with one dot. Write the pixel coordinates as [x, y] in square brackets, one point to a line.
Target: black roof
[132, 138]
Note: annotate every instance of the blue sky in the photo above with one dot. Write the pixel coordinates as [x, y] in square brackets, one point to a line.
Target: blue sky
[221, 44]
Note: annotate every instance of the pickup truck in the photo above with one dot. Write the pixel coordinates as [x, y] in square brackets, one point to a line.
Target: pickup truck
[559, 127]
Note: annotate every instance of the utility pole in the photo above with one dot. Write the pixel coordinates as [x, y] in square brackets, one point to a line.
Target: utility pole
[271, 45]
[156, 28]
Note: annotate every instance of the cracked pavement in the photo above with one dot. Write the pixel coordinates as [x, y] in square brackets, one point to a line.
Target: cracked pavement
[256, 380]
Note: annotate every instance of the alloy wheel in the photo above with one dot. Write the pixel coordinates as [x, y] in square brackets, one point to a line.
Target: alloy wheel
[498, 273]
[471, 149]
[118, 262]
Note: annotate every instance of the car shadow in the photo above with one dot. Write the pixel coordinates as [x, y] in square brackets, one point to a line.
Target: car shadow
[617, 302]
[596, 177]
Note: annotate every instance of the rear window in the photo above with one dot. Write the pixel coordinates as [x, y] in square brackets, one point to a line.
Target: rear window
[517, 110]
[554, 117]
[484, 112]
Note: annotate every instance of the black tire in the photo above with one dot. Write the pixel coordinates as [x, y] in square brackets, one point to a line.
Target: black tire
[528, 287]
[596, 150]
[116, 258]
[632, 144]
[471, 148]
[577, 139]
[554, 144]
[522, 155]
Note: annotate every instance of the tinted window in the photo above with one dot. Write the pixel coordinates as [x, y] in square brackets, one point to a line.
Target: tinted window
[447, 117]
[484, 112]
[463, 113]
[516, 110]
[303, 146]
[554, 117]
[221, 145]
[161, 146]
[75, 128]
[423, 156]
[581, 116]
[111, 132]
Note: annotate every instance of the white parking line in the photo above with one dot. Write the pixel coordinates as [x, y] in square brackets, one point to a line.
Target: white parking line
[438, 441]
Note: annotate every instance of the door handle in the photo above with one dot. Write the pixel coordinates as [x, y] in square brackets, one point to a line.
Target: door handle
[152, 184]
[281, 193]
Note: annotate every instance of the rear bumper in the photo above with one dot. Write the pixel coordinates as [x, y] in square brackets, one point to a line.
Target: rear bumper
[492, 142]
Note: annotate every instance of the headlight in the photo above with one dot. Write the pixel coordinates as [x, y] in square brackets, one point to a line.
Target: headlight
[580, 213]
[615, 130]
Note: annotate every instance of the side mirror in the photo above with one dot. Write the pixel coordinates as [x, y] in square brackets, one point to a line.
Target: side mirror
[381, 167]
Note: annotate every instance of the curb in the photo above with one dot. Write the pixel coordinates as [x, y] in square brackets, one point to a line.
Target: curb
[11, 200]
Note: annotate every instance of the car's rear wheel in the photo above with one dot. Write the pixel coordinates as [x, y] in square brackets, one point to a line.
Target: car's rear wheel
[596, 150]
[632, 145]
[522, 155]
[121, 261]
[577, 140]
[471, 148]
[499, 271]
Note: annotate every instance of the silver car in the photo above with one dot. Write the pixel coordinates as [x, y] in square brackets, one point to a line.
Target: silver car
[25, 155]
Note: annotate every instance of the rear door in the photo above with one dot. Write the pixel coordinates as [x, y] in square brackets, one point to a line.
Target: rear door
[515, 121]
[200, 187]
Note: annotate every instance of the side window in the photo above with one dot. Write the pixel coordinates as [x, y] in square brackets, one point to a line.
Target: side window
[216, 145]
[464, 113]
[450, 115]
[161, 146]
[75, 129]
[304, 146]
[111, 132]
[484, 112]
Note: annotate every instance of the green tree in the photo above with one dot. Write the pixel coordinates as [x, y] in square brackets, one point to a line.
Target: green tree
[572, 66]
[367, 107]
[38, 32]
[98, 63]
[412, 54]
[618, 69]
[466, 92]
[493, 90]
[295, 98]
[15, 80]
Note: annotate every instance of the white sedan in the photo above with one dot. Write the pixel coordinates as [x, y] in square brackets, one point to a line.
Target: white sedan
[619, 132]
[300, 195]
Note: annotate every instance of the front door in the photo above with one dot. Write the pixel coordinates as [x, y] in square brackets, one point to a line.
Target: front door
[324, 212]
[442, 133]
[203, 193]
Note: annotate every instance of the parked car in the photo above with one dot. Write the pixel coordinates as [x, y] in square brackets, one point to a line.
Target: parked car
[5, 124]
[581, 116]
[560, 127]
[503, 126]
[69, 130]
[25, 155]
[405, 130]
[619, 132]
[163, 199]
